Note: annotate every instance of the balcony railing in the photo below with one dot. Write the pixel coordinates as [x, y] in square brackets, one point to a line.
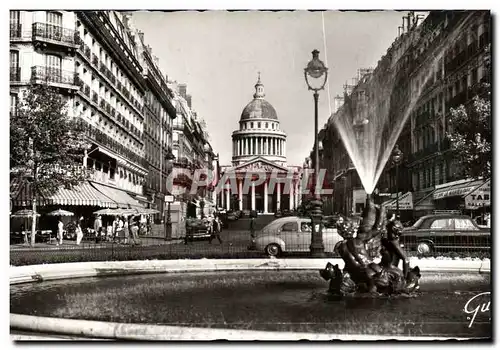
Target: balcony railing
[105, 140]
[53, 75]
[85, 89]
[85, 50]
[54, 33]
[95, 60]
[16, 30]
[15, 74]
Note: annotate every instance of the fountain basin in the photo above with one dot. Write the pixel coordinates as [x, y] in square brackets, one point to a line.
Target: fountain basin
[259, 298]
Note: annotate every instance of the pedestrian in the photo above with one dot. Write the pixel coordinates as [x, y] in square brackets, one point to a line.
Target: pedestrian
[126, 232]
[116, 228]
[148, 222]
[134, 229]
[216, 230]
[79, 231]
[252, 227]
[98, 228]
[60, 232]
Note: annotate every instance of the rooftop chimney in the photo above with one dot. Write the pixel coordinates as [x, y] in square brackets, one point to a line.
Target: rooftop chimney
[182, 90]
[141, 35]
[188, 99]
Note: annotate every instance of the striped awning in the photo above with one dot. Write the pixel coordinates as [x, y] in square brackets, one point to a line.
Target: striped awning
[21, 193]
[122, 198]
[82, 194]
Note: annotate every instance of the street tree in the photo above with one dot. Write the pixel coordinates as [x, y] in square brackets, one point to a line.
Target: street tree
[46, 145]
[471, 137]
[470, 132]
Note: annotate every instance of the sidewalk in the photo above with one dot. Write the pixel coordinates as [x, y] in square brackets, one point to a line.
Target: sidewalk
[145, 241]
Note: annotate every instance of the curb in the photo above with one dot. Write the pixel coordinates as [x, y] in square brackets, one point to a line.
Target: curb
[133, 331]
[47, 272]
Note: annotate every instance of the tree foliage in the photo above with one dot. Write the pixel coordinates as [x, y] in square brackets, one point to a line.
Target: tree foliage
[46, 145]
[471, 137]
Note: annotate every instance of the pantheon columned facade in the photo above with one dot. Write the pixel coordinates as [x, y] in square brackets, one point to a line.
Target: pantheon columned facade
[259, 151]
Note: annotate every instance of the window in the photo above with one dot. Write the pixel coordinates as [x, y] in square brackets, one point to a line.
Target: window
[251, 125]
[464, 224]
[15, 26]
[54, 25]
[54, 18]
[14, 17]
[258, 125]
[14, 59]
[13, 104]
[442, 224]
[267, 125]
[290, 227]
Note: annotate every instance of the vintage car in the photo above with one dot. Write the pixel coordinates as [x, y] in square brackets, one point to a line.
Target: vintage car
[291, 234]
[445, 232]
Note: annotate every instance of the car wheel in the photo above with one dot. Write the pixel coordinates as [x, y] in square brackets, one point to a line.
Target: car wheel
[424, 248]
[273, 249]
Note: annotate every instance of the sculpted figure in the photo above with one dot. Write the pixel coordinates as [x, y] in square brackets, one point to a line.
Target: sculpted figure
[361, 273]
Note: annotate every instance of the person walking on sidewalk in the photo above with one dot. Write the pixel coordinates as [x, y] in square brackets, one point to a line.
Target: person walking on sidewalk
[216, 224]
[252, 227]
[134, 229]
[98, 228]
[60, 231]
[79, 231]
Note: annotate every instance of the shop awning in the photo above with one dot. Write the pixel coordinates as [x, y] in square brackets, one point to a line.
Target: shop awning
[82, 194]
[122, 198]
[457, 190]
[479, 197]
[405, 202]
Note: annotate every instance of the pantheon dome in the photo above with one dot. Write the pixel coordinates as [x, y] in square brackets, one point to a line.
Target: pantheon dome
[259, 133]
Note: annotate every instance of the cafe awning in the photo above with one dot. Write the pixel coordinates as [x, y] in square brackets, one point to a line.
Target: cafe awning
[82, 194]
[457, 190]
[122, 198]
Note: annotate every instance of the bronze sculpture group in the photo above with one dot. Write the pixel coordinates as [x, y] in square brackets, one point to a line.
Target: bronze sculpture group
[376, 236]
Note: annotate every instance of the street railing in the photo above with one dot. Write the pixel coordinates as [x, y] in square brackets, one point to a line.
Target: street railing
[235, 245]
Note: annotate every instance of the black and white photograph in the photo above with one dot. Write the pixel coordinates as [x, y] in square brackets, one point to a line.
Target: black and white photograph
[251, 174]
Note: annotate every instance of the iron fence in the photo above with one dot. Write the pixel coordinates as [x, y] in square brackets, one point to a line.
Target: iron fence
[233, 244]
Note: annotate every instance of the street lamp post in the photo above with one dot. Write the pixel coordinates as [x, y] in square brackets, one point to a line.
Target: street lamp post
[316, 75]
[397, 157]
[344, 198]
[168, 222]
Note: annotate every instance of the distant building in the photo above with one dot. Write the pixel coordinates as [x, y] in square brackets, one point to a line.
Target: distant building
[259, 146]
[91, 58]
[429, 178]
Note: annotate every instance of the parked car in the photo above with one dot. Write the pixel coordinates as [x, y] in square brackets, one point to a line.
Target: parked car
[291, 234]
[330, 221]
[278, 214]
[445, 232]
[232, 216]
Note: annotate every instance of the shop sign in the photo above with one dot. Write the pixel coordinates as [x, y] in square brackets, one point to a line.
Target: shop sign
[481, 197]
[169, 198]
[405, 202]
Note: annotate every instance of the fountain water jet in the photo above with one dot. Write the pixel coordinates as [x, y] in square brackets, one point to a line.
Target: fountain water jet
[376, 112]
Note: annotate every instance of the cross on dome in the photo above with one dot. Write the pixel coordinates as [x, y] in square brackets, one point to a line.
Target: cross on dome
[259, 88]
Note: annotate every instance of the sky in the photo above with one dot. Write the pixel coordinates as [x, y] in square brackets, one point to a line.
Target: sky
[218, 54]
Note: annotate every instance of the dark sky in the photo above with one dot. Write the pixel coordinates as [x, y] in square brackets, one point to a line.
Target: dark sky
[219, 53]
